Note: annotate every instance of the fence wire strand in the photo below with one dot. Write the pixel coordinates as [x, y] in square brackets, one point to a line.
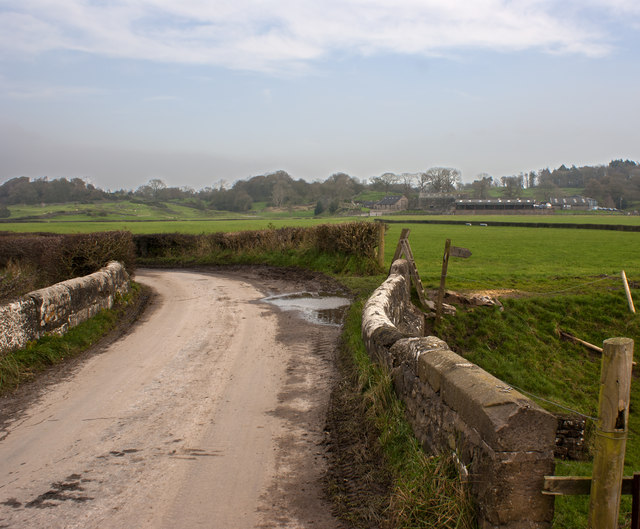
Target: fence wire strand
[594, 419]
[547, 293]
[550, 293]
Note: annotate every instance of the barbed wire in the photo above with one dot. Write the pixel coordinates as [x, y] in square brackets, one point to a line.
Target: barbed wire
[605, 277]
[581, 285]
[536, 293]
[594, 419]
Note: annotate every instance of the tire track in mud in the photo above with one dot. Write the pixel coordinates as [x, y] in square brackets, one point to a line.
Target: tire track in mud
[302, 406]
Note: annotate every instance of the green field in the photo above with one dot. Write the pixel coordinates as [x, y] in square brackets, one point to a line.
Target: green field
[122, 211]
[558, 217]
[126, 210]
[535, 260]
[223, 224]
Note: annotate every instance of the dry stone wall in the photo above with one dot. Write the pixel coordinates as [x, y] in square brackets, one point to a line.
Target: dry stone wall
[503, 441]
[57, 308]
[570, 438]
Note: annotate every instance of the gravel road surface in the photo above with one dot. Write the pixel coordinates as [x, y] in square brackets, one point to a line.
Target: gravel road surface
[208, 413]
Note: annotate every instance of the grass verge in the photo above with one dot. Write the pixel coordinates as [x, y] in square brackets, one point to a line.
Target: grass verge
[22, 365]
[422, 491]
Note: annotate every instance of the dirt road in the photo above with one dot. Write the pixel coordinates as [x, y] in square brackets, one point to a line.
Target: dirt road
[210, 413]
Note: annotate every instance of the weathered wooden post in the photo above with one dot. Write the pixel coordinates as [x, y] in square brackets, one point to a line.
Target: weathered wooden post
[381, 230]
[404, 248]
[443, 279]
[627, 292]
[611, 433]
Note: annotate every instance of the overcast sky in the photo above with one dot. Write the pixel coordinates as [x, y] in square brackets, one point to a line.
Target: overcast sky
[194, 91]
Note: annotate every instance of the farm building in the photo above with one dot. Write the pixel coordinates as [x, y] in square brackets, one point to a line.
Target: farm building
[575, 202]
[495, 205]
[437, 202]
[392, 203]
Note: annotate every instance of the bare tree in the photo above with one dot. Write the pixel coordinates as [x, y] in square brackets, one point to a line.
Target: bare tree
[279, 194]
[144, 191]
[512, 186]
[482, 185]
[440, 179]
[156, 185]
[423, 182]
[389, 180]
[407, 181]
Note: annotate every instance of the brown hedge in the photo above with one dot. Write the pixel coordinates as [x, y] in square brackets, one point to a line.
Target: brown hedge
[349, 239]
[60, 257]
[353, 238]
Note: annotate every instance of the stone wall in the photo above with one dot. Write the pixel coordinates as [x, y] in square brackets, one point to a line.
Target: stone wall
[503, 440]
[57, 308]
[570, 438]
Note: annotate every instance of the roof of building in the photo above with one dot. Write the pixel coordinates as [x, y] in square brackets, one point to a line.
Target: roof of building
[390, 200]
[495, 201]
[424, 194]
[571, 201]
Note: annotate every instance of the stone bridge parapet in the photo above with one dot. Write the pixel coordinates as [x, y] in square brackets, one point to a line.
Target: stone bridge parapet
[57, 308]
[503, 440]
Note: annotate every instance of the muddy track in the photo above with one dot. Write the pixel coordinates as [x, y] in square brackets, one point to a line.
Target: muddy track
[211, 412]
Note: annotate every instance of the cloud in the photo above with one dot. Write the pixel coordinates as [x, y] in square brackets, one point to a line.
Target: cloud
[280, 36]
[15, 90]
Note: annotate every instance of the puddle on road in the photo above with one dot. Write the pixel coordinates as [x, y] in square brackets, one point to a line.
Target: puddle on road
[312, 306]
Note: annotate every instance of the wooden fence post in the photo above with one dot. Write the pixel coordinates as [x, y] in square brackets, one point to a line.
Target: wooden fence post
[611, 433]
[627, 292]
[443, 279]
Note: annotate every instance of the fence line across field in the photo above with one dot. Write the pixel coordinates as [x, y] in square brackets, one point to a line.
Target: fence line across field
[492, 281]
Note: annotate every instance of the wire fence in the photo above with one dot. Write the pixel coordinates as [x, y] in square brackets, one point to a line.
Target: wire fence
[557, 404]
[584, 285]
[494, 281]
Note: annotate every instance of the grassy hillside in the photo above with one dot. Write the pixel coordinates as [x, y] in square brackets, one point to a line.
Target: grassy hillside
[120, 210]
[143, 211]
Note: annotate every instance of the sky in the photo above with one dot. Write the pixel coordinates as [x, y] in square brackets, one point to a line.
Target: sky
[199, 93]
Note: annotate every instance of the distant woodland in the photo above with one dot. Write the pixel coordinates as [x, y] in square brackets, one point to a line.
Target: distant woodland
[616, 185]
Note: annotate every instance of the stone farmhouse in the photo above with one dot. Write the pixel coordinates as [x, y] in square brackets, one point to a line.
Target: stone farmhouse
[390, 203]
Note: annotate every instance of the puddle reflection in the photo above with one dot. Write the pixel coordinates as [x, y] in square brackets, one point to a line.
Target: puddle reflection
[313, 306]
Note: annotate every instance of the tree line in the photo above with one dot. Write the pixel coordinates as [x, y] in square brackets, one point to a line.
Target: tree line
[276, 189]
[614, 185]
